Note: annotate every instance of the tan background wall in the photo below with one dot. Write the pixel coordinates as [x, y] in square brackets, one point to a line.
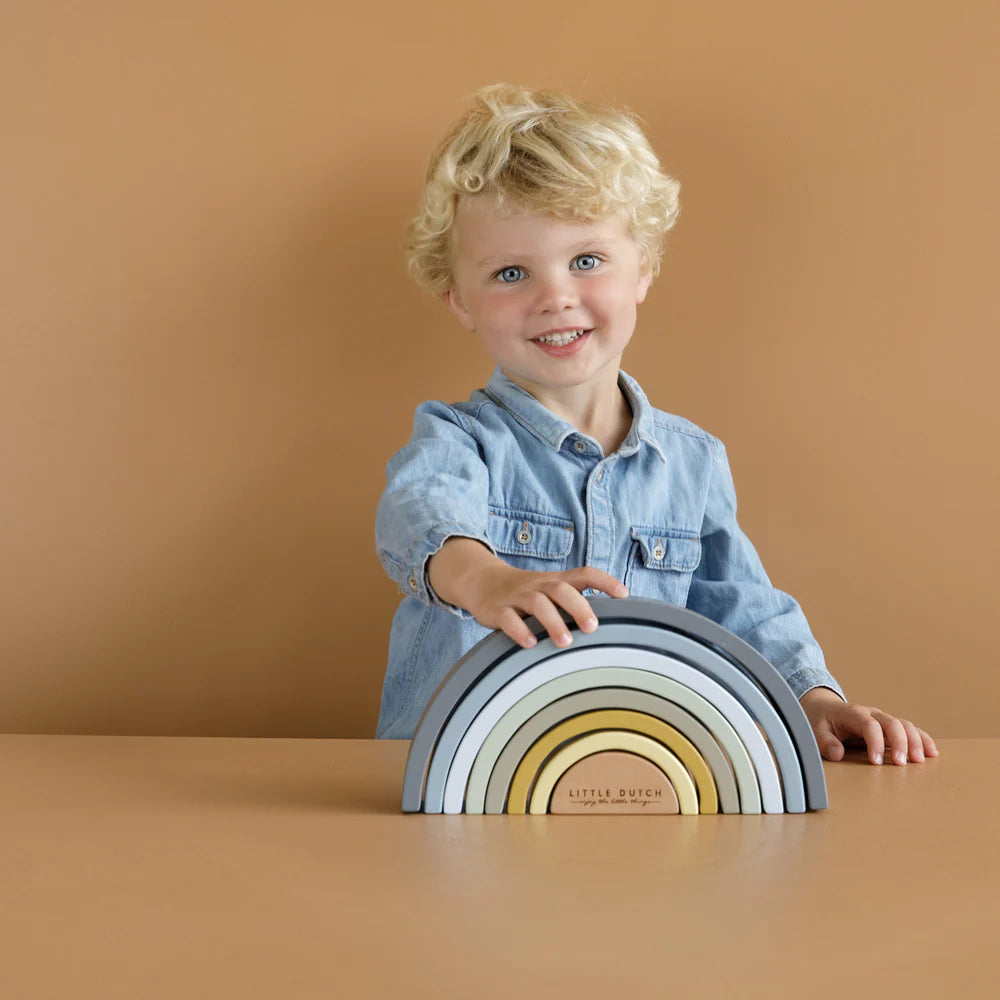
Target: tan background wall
[210, 347]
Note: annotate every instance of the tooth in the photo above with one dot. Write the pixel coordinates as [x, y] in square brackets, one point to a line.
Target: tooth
[561, 339]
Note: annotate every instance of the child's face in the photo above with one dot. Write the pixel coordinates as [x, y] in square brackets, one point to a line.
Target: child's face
[523, 276]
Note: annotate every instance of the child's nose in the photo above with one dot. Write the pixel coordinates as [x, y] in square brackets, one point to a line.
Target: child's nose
[558, 292]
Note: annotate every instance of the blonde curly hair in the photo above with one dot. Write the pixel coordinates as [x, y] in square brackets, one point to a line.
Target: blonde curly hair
[544, 151]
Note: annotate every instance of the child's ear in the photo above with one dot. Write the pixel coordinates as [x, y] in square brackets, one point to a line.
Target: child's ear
[454, 302]
[645, 280]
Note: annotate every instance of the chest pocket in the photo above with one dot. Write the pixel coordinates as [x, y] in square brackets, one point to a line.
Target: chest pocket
[661, 563]
[530, 541]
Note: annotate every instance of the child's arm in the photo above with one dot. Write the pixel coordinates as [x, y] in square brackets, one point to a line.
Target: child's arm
[833, 721]
[431, 536]
[465, 573]
[731, 587]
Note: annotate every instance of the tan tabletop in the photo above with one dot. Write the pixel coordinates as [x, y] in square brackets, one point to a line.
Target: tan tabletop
[217, 868]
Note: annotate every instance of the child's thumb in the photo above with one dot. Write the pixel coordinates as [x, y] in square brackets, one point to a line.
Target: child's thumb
[829, 746]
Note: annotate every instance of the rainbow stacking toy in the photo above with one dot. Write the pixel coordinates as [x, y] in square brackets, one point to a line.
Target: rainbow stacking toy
[659, 710]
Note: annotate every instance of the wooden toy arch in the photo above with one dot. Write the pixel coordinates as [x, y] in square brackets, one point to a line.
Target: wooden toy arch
[691, 715]
[573, 662]
[488, 690]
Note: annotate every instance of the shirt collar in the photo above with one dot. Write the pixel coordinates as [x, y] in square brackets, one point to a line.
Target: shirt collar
[553, 430]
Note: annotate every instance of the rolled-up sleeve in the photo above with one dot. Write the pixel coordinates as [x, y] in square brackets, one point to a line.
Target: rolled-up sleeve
[437, 488]
[731, 587]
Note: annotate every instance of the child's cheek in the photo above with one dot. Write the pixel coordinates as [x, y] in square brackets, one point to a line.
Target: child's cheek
[496, 298]
[604, 286]
[500, 305]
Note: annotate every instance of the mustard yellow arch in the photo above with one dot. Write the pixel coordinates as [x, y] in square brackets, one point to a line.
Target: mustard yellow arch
[616, 719]
[614, 739]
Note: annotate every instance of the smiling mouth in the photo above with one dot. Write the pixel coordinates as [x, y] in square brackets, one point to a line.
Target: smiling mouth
[561, 339]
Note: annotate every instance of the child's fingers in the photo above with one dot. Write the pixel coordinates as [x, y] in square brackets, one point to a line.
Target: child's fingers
[896, 736]
[563, 594]
[880, 731]
[512, 624]
[539, 605]
[904, 740]
[541, 595]
[871, 731]
[829, 746]
[915, 743]
[920, 743]
[595, 579]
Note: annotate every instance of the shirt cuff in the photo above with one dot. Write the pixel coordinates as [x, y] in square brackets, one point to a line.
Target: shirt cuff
[806, 678]
[418, 582]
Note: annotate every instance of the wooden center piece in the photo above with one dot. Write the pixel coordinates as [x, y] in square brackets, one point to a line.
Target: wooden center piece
[614, 781]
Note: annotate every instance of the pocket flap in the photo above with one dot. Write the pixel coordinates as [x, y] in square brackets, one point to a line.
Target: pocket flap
[522, 533]
[662, 549]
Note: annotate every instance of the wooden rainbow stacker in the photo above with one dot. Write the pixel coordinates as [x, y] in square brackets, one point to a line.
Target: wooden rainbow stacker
[660, 710]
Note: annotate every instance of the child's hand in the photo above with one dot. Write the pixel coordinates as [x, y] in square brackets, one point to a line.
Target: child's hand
[503, 594]
[834, 720]
[465, 573]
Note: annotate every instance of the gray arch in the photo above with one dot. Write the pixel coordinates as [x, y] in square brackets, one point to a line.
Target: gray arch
[500, 655]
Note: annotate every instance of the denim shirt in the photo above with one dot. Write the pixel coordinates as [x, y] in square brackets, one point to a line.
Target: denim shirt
[658, 514]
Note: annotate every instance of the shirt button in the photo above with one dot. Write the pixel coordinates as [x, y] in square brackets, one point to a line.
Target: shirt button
[412, 582]
[600, 475]
[524, 535]
[658, 552]
[580, 446]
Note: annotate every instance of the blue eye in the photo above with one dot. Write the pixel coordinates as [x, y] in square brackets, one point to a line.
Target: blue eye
[585, 262]
[510, 275]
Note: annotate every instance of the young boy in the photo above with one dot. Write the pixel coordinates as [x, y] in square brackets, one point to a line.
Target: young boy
[540, 226]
